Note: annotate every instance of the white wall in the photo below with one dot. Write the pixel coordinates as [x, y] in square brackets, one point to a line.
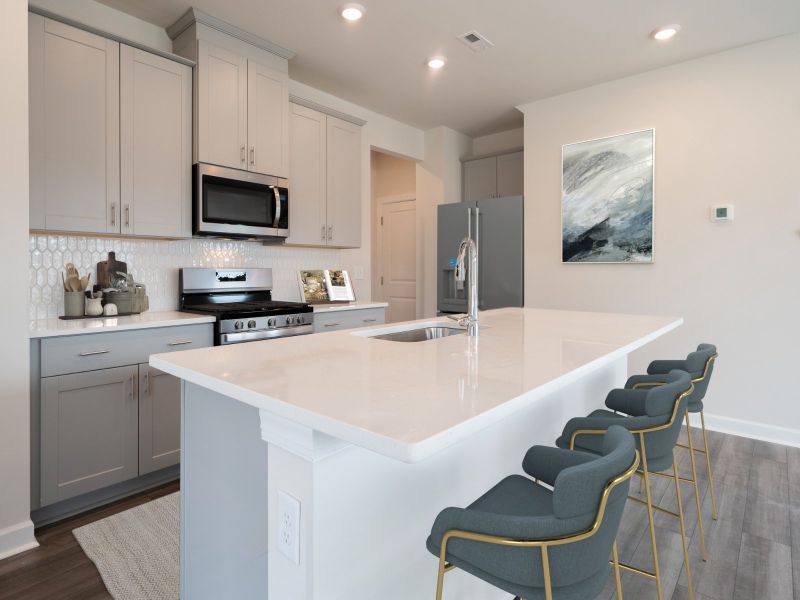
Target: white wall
[16, 529]
[513, 139]
[727, 130]
[109, 20]
[438, 182]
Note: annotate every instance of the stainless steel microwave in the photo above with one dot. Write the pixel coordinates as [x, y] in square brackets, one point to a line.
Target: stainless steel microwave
[232, 203]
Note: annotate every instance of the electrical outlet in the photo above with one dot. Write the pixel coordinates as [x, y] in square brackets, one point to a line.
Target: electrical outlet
[288, 530]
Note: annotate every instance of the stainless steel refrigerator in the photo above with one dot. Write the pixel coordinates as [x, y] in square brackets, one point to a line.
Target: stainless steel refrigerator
[496, 226]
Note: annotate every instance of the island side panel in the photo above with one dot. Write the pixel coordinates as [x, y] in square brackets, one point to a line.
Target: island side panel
[224, 492]
[365, 517]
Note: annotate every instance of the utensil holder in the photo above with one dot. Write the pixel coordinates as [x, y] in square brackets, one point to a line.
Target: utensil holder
[74, 304]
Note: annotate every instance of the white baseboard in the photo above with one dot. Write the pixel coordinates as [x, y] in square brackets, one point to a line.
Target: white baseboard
[17, 538]
[751, 429]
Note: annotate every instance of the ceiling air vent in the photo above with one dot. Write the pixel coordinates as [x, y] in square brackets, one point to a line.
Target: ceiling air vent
[475, 41]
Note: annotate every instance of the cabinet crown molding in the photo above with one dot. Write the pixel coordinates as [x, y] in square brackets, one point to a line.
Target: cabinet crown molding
[326, 110]
[195, 15]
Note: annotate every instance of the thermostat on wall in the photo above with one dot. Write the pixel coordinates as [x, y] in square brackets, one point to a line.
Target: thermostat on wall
[722, 212]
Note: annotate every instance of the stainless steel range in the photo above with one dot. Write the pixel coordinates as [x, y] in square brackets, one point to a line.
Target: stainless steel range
[241, 300]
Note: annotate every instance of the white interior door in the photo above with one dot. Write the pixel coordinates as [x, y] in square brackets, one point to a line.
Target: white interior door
[398, 252]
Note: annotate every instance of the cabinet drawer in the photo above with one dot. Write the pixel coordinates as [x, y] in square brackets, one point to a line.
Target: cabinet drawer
[89, 352]
[348, 319]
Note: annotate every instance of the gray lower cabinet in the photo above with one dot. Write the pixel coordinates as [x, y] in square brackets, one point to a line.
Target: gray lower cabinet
[89, 431]
[159, 419]
[336, 320]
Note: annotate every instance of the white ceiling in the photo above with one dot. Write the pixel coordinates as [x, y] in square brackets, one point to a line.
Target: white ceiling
[542, 47]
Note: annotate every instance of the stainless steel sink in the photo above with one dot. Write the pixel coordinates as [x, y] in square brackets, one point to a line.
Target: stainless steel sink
[420, 335]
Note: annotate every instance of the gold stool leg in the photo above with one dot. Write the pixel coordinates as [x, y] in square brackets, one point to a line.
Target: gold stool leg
[548, 588]
[646, 476]
[683, 527]
[696, 491]
[617, 579]
[708, 465]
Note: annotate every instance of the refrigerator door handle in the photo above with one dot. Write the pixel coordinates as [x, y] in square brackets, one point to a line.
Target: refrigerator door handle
[469, 222]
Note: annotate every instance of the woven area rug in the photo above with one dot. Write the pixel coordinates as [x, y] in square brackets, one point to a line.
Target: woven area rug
[137, 551]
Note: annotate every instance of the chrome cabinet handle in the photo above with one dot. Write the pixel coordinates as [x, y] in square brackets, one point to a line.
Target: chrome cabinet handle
[323, 232]
[113, 213]
[242, 154]
[370, 320]
[94, 352]
[147, 381]
[181, 343]
[332, 324]
[252, 155]
[127, 215]
[330, 232]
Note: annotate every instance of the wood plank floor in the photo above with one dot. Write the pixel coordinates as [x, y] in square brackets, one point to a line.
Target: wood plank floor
[754, 547]
[58, 569]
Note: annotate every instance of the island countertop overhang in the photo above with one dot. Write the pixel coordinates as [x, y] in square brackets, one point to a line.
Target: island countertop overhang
[411, 400]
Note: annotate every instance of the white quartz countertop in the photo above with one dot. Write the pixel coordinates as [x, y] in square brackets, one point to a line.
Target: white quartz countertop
[321, 308]
[42, 328]
[410, 400]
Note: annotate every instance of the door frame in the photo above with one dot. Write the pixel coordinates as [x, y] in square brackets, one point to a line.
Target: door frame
[380, 203]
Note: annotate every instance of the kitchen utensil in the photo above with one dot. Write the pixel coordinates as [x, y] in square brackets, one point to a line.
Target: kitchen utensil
[73, 283]
[85, 282]
[107, 267]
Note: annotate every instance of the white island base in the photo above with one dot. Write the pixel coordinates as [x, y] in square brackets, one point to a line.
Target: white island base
[371, 485]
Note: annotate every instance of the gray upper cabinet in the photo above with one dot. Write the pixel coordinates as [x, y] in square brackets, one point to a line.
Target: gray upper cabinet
[493, 177]
[480, 179]
[110, 135]
[325, 157]
[74, 129]
[89, 431]
[221, 106]
[155, 144]
[267, 120]
[159, 419]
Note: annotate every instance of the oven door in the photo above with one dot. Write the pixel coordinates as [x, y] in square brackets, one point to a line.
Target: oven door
[234, 203]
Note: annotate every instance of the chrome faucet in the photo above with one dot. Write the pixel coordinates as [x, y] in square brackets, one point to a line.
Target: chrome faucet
[468, 249]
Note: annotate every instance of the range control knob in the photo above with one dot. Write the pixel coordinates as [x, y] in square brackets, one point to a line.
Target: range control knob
[271, 322]
[251, 324]
[289, 320]
[299, 320]
[238, 325]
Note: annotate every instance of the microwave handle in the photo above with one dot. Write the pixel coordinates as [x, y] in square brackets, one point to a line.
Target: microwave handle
[277, 193]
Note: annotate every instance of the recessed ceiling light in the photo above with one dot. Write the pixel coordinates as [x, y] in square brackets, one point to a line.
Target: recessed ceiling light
[437, 62]
[665, 33]
[352, 12]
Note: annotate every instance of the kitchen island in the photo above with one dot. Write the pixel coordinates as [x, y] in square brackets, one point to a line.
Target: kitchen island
[373, 438]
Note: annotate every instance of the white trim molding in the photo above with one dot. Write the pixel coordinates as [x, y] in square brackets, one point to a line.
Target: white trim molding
[17, 538]
[752, 429]
[294, 98]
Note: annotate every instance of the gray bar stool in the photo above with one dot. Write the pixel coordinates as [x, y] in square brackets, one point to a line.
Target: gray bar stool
[533, 541]
[700, 365]
[654, 415]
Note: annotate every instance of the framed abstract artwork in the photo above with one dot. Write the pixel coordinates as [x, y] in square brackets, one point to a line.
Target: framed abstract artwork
[607, 199]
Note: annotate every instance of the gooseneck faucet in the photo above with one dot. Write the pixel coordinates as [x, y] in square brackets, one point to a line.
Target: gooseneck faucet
[468, 250]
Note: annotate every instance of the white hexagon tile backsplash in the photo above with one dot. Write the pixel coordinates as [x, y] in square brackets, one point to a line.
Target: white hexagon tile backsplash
[155, 263]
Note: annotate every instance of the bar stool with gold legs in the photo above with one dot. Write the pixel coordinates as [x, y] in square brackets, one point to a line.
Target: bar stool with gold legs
[544, 542]
[700, 365]
[654, 416]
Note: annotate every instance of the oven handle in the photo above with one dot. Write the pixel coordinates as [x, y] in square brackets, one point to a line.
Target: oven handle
[263, 334]
[277, 193]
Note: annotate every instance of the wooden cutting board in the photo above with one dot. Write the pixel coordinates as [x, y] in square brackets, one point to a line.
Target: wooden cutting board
[112, 265]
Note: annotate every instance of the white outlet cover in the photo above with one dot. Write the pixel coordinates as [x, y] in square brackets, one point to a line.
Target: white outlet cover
[288, 526]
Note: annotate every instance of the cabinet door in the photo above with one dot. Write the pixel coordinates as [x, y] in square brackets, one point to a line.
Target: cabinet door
[480, 179]
[221, 107]
[267, 120]
[89, 431]
[159, 419]
[337, 320]
[155, 147]
[74, 127]
[307, 194]
[510, 174]
[343, 183]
